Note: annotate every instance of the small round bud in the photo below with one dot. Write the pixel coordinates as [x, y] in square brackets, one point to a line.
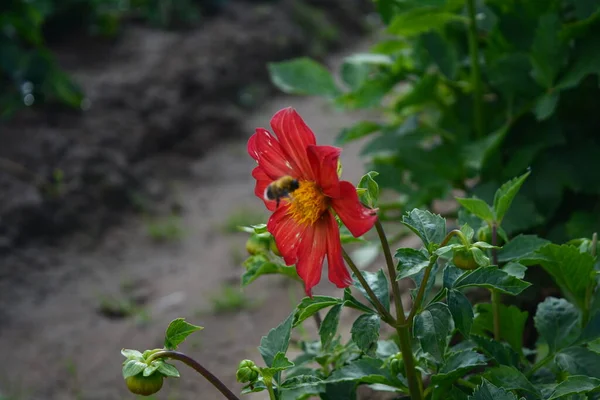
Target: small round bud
[145, 385]
[463, 259]
[247, 372]
[257, 245]
[484, 234]
[274, 248]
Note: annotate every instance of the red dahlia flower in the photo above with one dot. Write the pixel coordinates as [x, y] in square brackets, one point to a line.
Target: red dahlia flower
[303, 224]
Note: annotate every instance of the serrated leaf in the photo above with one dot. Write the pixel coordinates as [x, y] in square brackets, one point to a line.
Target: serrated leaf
[512, 323]
[461, 310]
[168, 370]
[303, 76]
[309, 306]
[329, 326]
[520, 247]
[501, 352]
[364, 370]
[371, 194]
[432, 327]
[477, 207]
[575, 384]
[365, 332]
[351, 302]
[456, 365]
[280, 363]
[505, 195]
[132, 354]
[276, 341]
[492, 278]
[579, 361]
[431, 228]
[487, 391]
[557, 321]
[357, 131]
[511, 378]
[379, 284]
[515, 269]
[132, 368]
[299, 381]
[177, 331]
[410, 262]
[451, 274]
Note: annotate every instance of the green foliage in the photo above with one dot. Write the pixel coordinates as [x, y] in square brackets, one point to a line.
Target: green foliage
[177, 331]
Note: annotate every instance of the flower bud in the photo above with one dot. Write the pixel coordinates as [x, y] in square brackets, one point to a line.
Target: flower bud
[145, 385]
[463, 259]
[274, 248]
[247, 372]
[484, 234]
[257, 245]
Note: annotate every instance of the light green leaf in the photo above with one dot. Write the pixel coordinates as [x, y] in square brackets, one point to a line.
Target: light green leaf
[365, 332]
[512, 323]
[168, 370]
[308, 306]
[149, 370]
[432, 327]
[358, 131]
[431, 228]
[410, 262]
[545, 105]
[461, 310]
[477, 207]
[511, 378]
[557, 321]
[364, 370]
[515, 269]
[329, 325]
[492, 278]
[522, 246]
[480, 258]
[303, 76]
[468, 232]
[301, 381]
[259, 265]
[177, 331]
[573, 385]
[132, 368]
[132, 354]
[356, 68]
[505, 195]
[456, 365]
[276, 341]
[379, 284]
[371, 194]
[280, 363]
[487, 391]
[421, 20]
[579, 361]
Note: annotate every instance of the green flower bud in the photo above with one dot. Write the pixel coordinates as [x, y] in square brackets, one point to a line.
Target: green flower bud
[274, 248]
[463, 259]
[247, 372]
[257, 245]
[484, 234]
[145, 385]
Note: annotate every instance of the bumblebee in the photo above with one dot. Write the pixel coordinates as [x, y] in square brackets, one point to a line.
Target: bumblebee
[280, 188]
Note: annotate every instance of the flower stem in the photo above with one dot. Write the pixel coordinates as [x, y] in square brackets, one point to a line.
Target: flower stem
[540, 364]
[475, 71]
[190, 362]
[385, 315]
[495, 294]
[271, 391]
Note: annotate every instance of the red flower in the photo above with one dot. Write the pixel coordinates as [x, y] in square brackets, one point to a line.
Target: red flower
[304, 226]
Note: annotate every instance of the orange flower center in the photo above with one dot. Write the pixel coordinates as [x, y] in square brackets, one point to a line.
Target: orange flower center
[307, 203]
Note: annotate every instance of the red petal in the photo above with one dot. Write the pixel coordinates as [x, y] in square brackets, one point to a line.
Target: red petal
[311, 254]
[294, 136]
[262, 181]
[265, 149]
[357, 218]
[338, 273]
[252, 147]
[324, 162]
[287, 233]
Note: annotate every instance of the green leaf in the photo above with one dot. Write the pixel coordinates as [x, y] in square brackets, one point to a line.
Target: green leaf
[591, 331]
[461, 310]
[442, 53]
[280, 363]
[351, 302]
[132, 354]
[487, 391]
[410, 262]
[168, 370]
[522, 246]
[586, 61]
[480, 258]
[132, 368]
[468, 232]
[505, 195]
[371, 194]
[477, 207]
[329, 325]
[511, 378]
[364, 370]
[431, 228]
[457, 365]
[356, 68]
[309, 306]
[303, 76]
[545, 105]
[547, 51]
[515, 269]
[358, 131]
[276, 341]
[451, 274]
[365, 332]
[420, 92]
[379, 284]
[512, 323]
[570, 269]
[476, 153]
[301, 381]
[149, 370]
[177, 331]
[579, 361]
[258, 265]
[557, 321]
[432, 327]
[492, 278]
[421, 20]
[501, 352]
[573, 385]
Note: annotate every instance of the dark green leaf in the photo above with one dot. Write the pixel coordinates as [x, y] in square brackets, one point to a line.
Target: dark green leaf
[386, 348]
[579, 361]
[365, 370]
[280, 363]
[575, 384]
[352, 302]
[477, 207]
[441, 52]
[522, 246]
[329, 326]
[492, 278]
[432, 327]
[303, 76]
[431, 228]
[501, 352]
[461, 310]
[548, 51]
[505, 194]
[358, 131]
[592, 329]
[487, 391]
[511, 378]
[477, 152]
[457, 365]
[276, 341]
[356, 69]
[410, 262]
[371, 193]
[419, 21]
[545, 105]
[132, 368]
[451, 274]
[512, 323]
[259, 265]
[168, 370]
[557, 321]
[379, 284]
[586, 61]
[301, 381]
[177, 331]
[365, 332]
[308, 306]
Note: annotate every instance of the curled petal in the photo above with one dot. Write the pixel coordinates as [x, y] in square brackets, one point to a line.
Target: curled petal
[287, 233]
[324, 163]
[262, 181]
[357, 218]
[265, 149]
[311, 254]
[294, 136]
[337, 271]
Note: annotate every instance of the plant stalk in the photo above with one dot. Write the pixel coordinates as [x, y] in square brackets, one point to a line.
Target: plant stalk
[495, 294]
[190, 362]
[475, 71]
[271, 391]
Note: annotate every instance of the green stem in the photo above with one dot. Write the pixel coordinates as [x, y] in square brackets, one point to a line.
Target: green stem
[466, 383]
[385, 315]
[190, 362]
[540, 364]
[475, 71]
[589, 291]
[271, 391]
[495, 294]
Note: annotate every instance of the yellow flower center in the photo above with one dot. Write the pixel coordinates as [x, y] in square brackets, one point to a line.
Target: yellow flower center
[307, 203]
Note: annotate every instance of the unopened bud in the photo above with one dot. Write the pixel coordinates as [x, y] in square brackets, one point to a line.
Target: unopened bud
[247, 372]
